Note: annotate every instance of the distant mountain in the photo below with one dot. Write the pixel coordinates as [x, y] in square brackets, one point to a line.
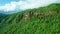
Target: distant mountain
[1, 14]
[10, 12]
[43, 20]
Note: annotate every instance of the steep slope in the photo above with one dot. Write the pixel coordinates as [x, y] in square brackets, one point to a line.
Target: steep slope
[44, 20]
[2, 16]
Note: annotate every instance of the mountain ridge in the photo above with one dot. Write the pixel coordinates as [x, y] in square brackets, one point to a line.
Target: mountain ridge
[43, 20]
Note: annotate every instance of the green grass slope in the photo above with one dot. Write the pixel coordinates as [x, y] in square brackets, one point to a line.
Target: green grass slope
[18, 23]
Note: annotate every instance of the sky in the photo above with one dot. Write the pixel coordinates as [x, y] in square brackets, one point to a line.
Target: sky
[3, 2]
[9, 6]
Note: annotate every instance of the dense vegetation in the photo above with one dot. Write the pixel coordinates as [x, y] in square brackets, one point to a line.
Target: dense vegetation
[16, 24]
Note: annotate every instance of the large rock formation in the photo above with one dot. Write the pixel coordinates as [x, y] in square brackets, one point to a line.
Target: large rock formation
[38, 14]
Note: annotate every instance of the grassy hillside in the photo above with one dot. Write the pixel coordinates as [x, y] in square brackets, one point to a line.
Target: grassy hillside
[43, 20]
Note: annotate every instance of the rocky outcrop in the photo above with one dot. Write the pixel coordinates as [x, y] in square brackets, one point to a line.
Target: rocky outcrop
[38, 14]
[27, 15]
[49, 13]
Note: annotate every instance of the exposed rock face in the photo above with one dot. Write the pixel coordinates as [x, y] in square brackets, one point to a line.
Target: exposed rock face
[38, 14]
[27, 15]
[50, 13]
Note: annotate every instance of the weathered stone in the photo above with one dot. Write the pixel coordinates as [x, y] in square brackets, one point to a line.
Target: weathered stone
[27, 15]
[38, 14]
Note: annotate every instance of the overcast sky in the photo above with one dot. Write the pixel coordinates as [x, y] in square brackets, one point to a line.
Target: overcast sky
[12, 5]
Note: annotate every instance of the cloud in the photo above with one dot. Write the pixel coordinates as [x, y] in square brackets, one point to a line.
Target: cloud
[25, 4]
